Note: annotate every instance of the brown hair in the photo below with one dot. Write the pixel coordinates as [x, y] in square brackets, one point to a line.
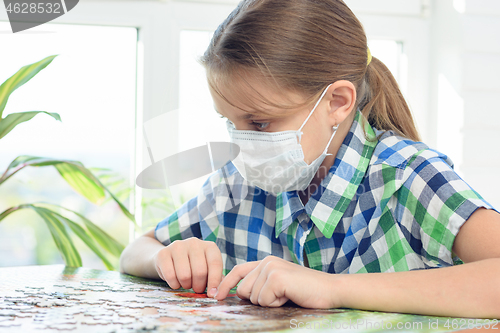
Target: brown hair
[303, 46]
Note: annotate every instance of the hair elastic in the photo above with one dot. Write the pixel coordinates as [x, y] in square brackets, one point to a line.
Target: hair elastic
[369, 56]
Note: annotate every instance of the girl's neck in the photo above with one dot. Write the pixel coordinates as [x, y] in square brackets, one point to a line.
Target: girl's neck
[318, 177]
[323, 170]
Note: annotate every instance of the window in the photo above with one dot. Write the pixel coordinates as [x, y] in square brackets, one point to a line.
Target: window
[92, 85]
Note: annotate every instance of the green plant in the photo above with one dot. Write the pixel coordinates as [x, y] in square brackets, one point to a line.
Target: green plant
[153, 206]
[74, 173]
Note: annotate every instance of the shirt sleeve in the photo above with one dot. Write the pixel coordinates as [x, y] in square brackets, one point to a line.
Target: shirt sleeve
[192, 218]
[434, 203]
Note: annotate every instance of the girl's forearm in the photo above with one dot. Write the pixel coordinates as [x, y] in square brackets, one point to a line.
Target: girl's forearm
[468, 290]
[138, 257]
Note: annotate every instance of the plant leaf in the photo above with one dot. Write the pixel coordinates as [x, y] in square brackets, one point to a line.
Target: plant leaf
[7, 212]
[75, 173]
[82, 180]
[110, 179]
[61, 238]
[107, 242]
[92, 180]
[82, 234]
[122, 207]
[22, 76]
[25, 159]
[12, 120]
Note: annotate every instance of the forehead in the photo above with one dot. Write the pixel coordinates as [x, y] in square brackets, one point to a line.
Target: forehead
[250, 96]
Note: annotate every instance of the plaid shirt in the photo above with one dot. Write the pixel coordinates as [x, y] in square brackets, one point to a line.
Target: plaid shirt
[387, 204]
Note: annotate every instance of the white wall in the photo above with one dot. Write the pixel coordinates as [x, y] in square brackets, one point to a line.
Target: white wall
[480, 90]
[465, 52]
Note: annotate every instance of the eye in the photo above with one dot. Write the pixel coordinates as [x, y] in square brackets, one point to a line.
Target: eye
[260, 126]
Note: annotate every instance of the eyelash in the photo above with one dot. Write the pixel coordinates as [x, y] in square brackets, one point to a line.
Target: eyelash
[257, 125]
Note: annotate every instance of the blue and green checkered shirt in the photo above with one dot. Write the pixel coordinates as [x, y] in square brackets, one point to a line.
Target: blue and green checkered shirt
[387, 204]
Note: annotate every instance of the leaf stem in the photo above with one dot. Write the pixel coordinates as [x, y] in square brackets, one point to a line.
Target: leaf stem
[3, 178]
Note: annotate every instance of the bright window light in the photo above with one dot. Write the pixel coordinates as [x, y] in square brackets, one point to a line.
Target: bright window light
[92, 85]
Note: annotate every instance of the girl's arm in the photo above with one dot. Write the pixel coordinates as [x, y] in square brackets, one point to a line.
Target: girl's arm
[138, 257]
[468, 290]
[188, 263]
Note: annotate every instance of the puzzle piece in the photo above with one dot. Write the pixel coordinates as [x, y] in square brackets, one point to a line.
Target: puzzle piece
[7, 312]
[127, 312]
[93, 321]
[123, 321]
[64, 327]
[9, 323]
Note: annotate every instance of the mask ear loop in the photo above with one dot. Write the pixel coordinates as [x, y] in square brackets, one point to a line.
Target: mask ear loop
[299, 134]
[328, 144]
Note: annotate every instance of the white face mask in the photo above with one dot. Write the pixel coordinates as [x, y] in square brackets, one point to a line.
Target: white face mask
[274, 161]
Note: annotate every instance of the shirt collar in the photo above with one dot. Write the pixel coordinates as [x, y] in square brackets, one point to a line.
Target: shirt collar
[328, 204]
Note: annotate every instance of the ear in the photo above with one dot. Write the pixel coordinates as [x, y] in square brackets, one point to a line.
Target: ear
[342, 99]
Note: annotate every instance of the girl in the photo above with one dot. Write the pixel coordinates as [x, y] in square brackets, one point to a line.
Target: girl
[331, 179]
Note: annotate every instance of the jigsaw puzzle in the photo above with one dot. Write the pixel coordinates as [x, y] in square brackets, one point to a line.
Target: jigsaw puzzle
[64, 299]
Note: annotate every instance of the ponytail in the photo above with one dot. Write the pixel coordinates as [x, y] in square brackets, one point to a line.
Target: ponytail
[383, 104]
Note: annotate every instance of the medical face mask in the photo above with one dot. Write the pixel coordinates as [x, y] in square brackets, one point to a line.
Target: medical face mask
[274, 161]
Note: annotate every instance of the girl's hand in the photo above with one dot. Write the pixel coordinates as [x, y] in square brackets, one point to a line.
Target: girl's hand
[190, 263]
[273, 281]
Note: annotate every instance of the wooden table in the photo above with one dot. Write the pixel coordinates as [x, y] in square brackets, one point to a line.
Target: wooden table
[57, 298]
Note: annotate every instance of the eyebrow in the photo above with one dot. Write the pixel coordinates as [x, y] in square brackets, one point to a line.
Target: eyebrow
[246, 116]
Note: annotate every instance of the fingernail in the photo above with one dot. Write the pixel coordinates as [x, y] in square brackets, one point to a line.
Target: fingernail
[213, 292]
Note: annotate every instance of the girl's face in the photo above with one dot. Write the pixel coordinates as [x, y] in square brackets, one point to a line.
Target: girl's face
[316, 132]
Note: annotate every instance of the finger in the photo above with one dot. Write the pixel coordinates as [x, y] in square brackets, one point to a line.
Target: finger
[168, 272]
[272, 293]
[214, 264]
[232, 279]
[278, 302]
[245, 287]
[250, 287]
[159, 270]
[199, 269]
[182, 268]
